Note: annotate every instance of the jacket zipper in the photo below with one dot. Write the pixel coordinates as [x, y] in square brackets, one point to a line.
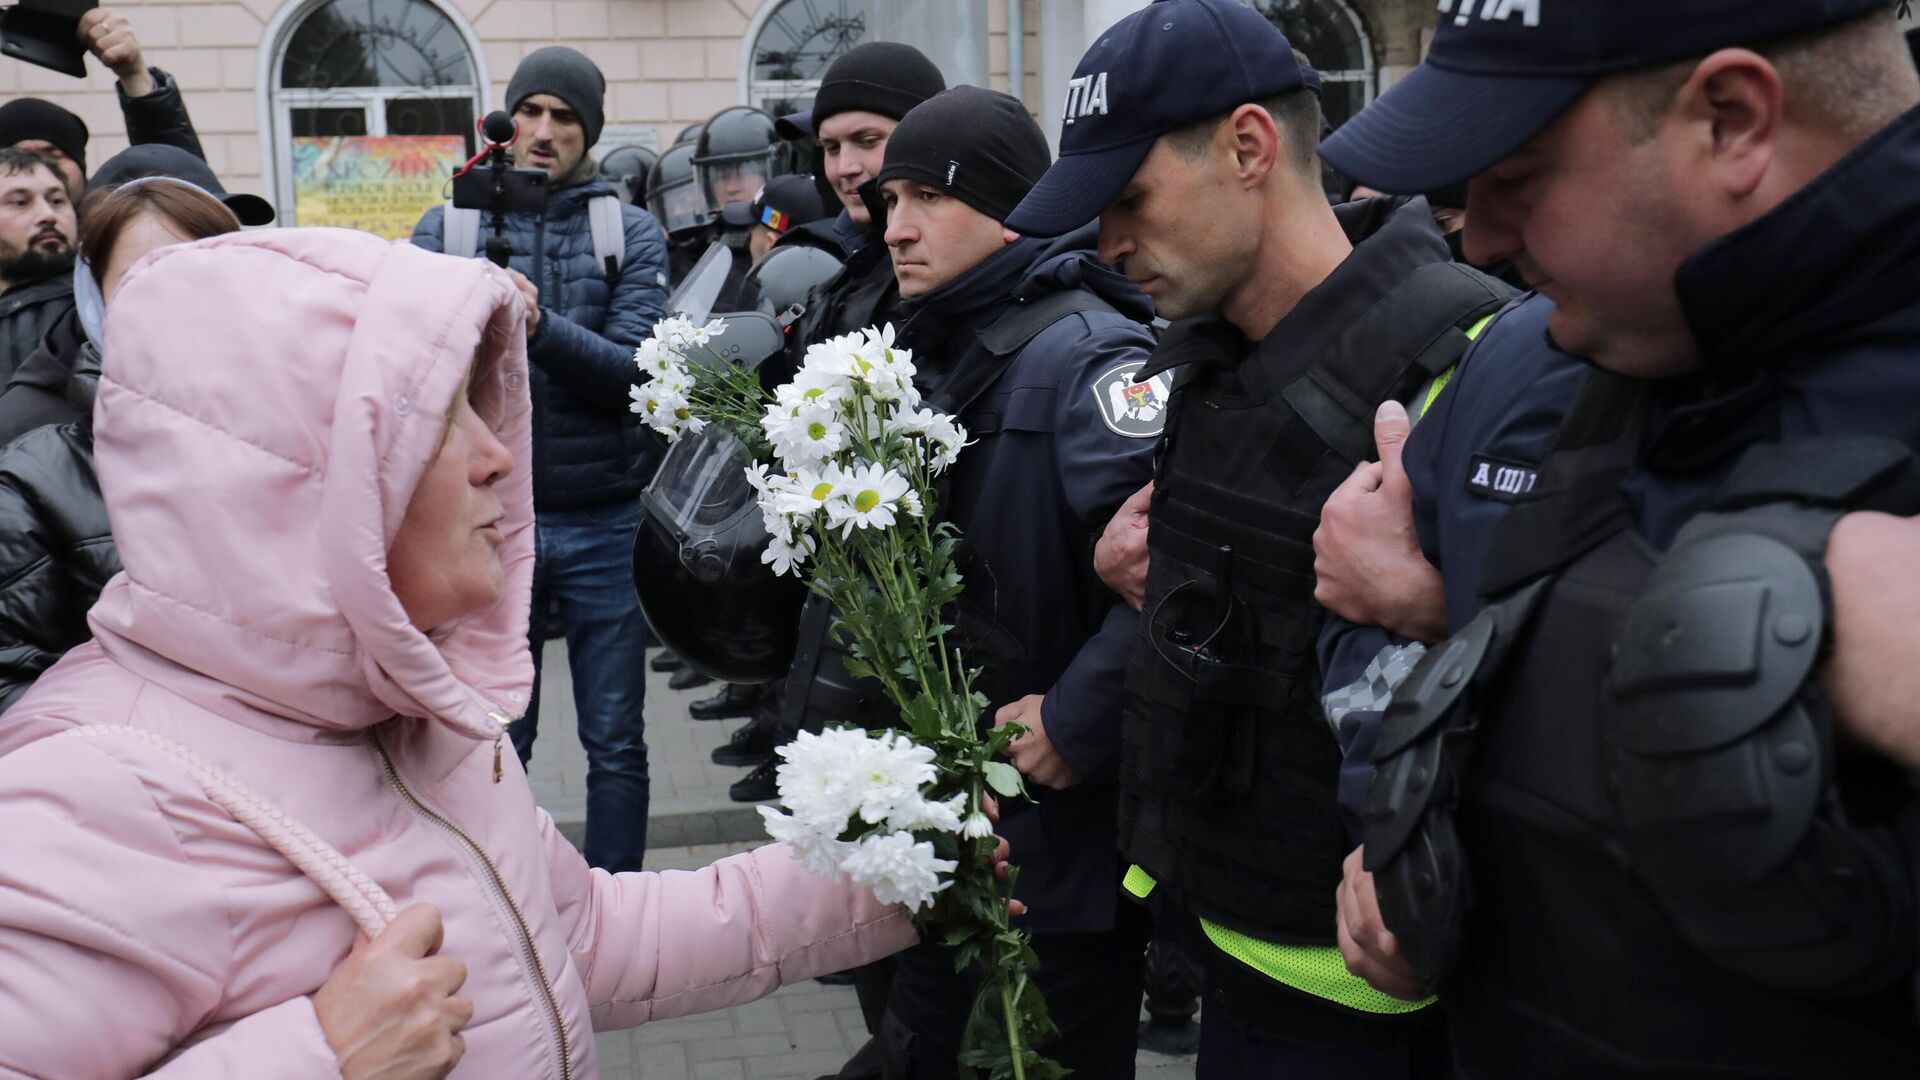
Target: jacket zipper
[527, 952]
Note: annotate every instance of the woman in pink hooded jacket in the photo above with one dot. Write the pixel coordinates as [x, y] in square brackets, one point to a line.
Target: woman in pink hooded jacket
[262, 825]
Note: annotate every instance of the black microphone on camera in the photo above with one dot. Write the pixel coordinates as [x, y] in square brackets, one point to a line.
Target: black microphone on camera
[496, 188]
[499, 128]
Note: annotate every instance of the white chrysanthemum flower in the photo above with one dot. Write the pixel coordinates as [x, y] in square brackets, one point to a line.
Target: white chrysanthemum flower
[814, 386]
[921, 815]
[818, 853]
[944, 435]
[817, 777]
[813, 434]
[786, 551]
[900, 869]
[867, 499]
[654, 359]
[892, 769]
[812, 491]
[978, 826]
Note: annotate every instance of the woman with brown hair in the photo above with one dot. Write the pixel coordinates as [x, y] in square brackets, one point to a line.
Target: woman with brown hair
[56, 552]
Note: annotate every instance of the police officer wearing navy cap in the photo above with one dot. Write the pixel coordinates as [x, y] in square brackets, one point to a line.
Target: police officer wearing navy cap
[1621, 820]
[1190, 131]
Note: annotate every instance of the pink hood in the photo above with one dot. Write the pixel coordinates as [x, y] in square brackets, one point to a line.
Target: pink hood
[255, 468]
[283, 449]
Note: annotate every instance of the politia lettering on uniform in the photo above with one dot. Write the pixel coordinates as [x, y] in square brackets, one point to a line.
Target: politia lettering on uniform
[1086, 95]
[1493, 10]
[1496, 479]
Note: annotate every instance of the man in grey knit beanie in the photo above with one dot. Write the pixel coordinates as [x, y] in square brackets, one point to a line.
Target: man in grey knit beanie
[587, 310]
[558, 99]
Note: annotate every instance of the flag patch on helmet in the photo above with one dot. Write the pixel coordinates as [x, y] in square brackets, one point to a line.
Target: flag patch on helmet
[1133, 407]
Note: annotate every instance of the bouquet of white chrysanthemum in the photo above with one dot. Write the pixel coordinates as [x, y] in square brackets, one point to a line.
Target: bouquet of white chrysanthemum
[846, 490]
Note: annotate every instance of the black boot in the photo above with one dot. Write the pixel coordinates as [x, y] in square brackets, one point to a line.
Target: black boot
[758, 785]
[668, 660]
[732, 700]
[748, 746]
[686, 679]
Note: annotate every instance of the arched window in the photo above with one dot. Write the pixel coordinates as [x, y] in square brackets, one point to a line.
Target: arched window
[1336, 41]
[372, 107]
[793, 42]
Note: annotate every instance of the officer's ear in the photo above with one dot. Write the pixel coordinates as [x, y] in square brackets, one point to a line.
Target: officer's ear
[1254, 141]
[1732, 107]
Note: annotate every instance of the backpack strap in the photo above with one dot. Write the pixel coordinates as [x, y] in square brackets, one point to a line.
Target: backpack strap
[362, 897]
[609, 234]
[460, 232]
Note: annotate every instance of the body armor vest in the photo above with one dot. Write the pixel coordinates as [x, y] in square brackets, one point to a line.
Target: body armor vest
[1229, 766]
[1610, 819]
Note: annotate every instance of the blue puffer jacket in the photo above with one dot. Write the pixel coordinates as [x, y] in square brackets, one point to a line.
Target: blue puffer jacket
[588, 449]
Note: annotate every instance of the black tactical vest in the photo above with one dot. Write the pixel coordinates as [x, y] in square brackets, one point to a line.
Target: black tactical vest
[1611, 821]
[1229, 766]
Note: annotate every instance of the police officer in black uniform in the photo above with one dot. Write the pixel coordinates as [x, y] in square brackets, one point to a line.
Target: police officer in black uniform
[1034, 346]
[674, 199]
[1617, 821]
[1190, 130]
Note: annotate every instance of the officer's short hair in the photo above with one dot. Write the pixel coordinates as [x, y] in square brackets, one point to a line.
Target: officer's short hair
[1855, 77]
[1296, 113]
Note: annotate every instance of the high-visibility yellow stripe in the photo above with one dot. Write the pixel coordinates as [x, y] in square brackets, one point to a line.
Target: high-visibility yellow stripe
[1440, 383]
[1319, 970]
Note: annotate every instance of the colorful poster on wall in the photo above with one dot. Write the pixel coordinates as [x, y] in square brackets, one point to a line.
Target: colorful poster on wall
[379, 184]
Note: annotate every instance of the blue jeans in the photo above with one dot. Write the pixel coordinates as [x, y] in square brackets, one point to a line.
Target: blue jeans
[585, 562]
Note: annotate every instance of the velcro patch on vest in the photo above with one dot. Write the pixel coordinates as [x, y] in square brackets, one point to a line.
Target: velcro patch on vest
[1131, 407]
[1493, 478]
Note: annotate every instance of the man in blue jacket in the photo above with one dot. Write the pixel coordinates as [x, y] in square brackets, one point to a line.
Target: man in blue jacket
[1033, 345]
[586, 315]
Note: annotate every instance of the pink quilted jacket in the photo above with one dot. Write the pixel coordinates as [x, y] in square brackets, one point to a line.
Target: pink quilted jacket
[268, 403]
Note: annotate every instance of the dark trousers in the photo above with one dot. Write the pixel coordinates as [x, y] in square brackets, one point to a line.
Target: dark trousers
[585, 563]
[1092, 983]
[1230, 1052]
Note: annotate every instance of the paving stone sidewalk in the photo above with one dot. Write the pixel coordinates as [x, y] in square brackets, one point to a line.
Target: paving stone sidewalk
[801, 1032]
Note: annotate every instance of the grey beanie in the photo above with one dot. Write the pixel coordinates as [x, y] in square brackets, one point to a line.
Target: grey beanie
[567, 75]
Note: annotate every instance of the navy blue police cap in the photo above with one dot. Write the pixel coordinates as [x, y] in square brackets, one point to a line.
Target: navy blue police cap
[1500, 71]
[1170, 64]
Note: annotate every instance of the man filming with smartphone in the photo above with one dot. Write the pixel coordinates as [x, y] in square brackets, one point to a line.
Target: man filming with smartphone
[594, 273]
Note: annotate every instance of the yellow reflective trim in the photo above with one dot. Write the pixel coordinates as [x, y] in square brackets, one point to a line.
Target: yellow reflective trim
[1138, 883]
[1440, 383]
[1319, 970]
[1433, 392]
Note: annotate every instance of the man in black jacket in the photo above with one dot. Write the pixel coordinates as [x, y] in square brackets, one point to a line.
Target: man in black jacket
[37, 230]
[1034, 346]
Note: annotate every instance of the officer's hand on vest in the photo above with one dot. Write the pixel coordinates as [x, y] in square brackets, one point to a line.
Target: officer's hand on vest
[1366, 555]
[1120, 558]
[531, 293]
[1370, 949]
[1873, 677]
[392, 1009]
[1033, 753]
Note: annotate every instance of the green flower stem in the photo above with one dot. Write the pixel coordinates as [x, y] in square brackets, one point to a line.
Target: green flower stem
[1013, 1029]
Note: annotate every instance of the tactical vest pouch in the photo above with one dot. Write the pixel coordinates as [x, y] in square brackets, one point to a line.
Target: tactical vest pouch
[1421, 764]
[1722, 763]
